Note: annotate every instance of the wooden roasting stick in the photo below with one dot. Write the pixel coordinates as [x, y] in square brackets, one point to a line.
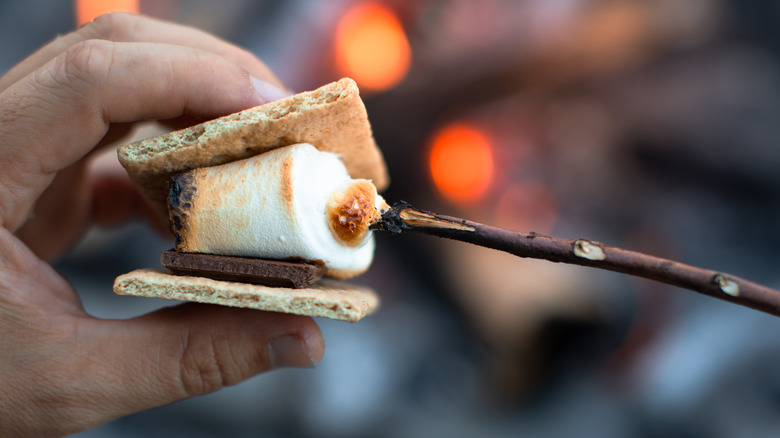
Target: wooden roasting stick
[403, 217]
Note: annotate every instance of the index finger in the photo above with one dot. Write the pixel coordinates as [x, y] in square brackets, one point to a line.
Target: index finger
[53, 117]
[126, 27]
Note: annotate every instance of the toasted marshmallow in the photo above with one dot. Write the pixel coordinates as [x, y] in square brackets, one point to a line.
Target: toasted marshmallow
[293, 202]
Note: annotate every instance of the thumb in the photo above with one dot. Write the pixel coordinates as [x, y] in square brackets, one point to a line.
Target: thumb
[193, 349]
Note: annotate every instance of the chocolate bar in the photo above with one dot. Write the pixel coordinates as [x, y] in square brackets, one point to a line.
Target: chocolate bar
[279, 273]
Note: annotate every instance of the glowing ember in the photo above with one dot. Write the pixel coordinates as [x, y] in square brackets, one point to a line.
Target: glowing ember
[88, 10]
[461, 163]
[371, 47]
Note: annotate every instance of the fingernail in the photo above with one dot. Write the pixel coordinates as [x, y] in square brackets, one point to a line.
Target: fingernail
[266, 91]
[289, 351]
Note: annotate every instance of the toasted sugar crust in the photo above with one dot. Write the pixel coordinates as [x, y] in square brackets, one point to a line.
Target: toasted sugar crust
[327, 299]
[332, 118]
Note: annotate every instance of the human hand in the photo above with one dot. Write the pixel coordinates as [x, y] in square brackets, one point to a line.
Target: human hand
[61, 370]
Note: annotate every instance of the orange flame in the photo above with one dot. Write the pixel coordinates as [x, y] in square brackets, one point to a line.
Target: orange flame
[461, 163]
[371, 47]
[88, 10]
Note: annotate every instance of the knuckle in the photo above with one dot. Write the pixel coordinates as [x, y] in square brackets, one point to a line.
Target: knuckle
[201, 371]
[109, 25]
[87, 61]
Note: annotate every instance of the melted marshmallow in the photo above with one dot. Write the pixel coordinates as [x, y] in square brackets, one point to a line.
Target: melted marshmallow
[293, 202]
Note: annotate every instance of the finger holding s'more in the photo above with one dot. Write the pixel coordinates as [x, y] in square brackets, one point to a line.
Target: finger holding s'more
[263, 203]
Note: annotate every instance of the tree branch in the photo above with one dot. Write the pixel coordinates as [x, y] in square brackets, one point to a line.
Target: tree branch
[403, 217]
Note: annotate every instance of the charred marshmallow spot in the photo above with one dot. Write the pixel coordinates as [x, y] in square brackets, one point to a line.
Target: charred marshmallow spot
[351, 211]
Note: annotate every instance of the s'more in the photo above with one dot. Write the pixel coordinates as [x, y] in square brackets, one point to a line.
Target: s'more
[263, 203]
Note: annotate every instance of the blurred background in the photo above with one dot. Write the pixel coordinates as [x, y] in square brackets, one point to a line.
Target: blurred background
[646, 124]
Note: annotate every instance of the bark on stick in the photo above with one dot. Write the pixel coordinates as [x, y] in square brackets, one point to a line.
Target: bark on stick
[402, 217]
